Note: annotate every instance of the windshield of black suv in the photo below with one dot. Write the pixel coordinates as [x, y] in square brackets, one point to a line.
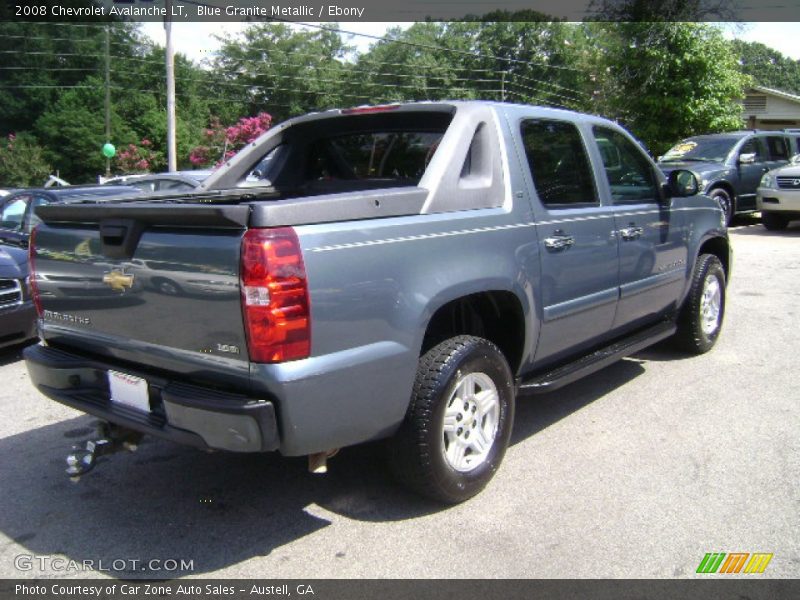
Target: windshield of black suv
[699, 149]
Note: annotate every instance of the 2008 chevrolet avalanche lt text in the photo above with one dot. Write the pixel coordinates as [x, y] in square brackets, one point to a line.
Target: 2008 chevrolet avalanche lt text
[398, 272]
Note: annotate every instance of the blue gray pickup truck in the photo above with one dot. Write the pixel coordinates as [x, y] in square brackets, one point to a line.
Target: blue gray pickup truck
[397, 272]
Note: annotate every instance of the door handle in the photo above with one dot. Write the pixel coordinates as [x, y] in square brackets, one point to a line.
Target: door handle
[631, 233]
[558, 241]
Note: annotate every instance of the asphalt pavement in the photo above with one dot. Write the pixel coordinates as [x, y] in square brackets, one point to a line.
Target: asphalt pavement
[637, 471]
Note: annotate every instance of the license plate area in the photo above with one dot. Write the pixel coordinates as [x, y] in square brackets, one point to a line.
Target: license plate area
[129, 390]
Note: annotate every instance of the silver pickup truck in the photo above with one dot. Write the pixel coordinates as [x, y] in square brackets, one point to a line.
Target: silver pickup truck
[400, 272]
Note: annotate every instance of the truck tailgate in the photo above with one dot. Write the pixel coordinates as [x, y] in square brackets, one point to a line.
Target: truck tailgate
[143, 273]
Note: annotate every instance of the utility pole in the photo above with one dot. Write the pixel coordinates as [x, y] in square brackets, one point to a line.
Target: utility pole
[172, 163]
[108, 96]
[503, 87]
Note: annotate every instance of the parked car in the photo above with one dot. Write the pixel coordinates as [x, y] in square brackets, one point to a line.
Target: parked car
[17, 217]
[407, 271]
[730, 165]
[176, 182]
[779, 195]
[17, 313]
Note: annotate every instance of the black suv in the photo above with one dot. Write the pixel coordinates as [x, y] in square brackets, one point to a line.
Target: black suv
[729, 166]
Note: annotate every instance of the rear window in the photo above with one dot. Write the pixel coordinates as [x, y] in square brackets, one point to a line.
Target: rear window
[393, 155]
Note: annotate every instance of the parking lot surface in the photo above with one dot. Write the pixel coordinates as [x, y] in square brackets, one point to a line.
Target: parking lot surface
[636, 471]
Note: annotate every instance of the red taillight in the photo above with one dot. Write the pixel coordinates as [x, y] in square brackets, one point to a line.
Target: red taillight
[32, 272]
[275, 301]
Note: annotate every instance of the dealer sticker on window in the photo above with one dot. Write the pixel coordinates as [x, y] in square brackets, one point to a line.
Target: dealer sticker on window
[129, 390]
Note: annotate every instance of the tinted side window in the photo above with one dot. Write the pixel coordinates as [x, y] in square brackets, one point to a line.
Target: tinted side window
[558, 163]
[13, 213]
[754, 146]
[630, 175]
[777, 148]
[794, 142]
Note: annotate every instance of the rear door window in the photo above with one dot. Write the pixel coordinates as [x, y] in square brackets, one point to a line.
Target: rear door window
[558, 163]
[778, 148]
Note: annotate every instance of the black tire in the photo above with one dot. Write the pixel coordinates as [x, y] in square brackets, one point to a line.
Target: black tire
[725, 202]
[774, 222]
[695, 334]
[417, 451]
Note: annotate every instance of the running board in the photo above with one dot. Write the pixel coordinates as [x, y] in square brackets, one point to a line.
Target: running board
[565, 374]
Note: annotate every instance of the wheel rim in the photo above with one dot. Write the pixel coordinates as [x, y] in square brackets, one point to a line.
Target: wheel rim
[711, 304]
[471, 420]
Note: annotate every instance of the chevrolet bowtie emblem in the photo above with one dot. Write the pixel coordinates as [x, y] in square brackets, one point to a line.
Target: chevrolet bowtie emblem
[118, 280]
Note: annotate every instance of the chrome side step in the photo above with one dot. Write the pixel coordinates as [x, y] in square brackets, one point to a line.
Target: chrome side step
[562, 375]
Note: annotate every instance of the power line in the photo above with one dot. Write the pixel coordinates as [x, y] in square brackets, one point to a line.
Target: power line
[431, 46]
[49, 68]
[356, 67]
[369, 59]
[276, 76]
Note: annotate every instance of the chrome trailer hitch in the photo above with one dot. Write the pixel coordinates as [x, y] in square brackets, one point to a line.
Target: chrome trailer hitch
[110, 438]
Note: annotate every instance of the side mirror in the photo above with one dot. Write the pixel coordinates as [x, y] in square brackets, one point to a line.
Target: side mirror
[747, 159]
[682, 184]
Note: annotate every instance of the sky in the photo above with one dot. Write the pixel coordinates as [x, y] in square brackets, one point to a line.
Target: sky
[196, 40]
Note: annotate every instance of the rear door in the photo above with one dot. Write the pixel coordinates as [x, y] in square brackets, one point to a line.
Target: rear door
[652, 247]
[579, 255]
[750, 173]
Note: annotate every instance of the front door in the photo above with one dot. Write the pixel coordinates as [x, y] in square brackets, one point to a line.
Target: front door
[579, 260]
[652, 248]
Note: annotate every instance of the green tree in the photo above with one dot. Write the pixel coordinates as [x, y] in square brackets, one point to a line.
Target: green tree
[519, 57]
[73, 132]
[52, 68]
[285, 72]
[41, 61]
[665, 81]
[22, 162]
[768, 67]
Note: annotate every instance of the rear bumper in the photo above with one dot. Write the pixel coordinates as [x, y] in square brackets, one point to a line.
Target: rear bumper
[17, 324]
[182, 413]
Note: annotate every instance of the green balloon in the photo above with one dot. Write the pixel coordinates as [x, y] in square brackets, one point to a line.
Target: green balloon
[109, 151]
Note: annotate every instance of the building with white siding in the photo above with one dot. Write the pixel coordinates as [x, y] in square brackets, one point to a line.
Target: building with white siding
[765, 108]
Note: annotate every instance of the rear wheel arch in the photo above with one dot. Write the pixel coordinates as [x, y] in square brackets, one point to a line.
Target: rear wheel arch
[496, 315]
